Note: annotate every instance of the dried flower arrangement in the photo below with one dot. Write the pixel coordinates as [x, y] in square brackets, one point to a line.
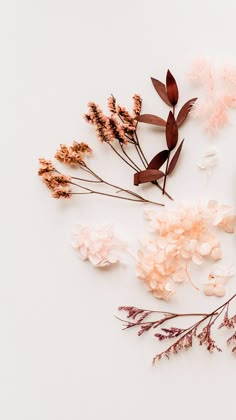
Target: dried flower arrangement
[122, 126]
[181, 236]
[183, 338]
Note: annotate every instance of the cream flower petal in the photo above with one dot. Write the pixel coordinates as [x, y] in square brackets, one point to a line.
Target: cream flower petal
[214, 289]
[216, 254]
[209, 159]
[197, 259]
[205, 249]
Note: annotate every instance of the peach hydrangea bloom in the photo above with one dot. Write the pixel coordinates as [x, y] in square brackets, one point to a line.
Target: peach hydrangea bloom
[98, 245]
[223, 216]
[180, 236]
[217, 281]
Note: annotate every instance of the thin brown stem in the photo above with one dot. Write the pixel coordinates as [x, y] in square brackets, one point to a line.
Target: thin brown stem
[128, 157]
[166, 173]
[86, 180]
[138, 144]
[138, 199]
[128, 163]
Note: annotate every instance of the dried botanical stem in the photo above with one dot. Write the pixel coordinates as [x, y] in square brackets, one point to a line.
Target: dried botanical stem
[138, 318]
[112, 185]
[133, 164]
[166, 173]
[167, 164]
[188, 276]
[129, 158]
[117, 153]
[138, 198]
[139, 147]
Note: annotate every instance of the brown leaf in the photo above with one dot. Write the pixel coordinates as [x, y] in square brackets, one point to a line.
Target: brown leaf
[183, 113]
[175, 158]
[148, 175]
[161, 90]
[159, 159]
[171, 131]
[172, 88]
[151, 119]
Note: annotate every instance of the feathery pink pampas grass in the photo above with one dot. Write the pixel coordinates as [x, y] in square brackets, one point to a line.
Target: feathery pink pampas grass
[219, 94]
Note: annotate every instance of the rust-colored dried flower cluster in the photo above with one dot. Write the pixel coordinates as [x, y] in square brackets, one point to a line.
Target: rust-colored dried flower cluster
[57, 183]
[61, 185]
[73, 155]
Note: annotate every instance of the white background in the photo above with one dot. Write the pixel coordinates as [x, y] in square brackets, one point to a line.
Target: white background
[63, 355]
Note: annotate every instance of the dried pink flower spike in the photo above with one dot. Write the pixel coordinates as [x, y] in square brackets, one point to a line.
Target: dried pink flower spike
[181, 338]
[111, 103]
[98, 245]
[137, 104]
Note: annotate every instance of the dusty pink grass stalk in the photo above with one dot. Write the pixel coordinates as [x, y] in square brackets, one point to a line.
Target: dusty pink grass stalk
[200, 331]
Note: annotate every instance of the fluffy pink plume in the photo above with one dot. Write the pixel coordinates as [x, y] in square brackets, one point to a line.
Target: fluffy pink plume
[219, 94]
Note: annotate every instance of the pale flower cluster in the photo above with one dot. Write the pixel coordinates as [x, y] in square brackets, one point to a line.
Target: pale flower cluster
[219, 93]
[99, 245]
[181, 236]
[217, 281]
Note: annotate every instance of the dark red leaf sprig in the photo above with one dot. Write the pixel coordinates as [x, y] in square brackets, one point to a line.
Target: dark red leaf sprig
[183, 338]
[169, 93]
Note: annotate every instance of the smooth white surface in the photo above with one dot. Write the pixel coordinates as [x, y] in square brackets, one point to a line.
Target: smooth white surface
[62, 353]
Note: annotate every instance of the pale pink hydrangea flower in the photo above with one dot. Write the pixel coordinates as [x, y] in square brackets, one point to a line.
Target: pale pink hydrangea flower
[98, 245]
[180, 236]
[154, 271]
[217, 281]
[222, 215]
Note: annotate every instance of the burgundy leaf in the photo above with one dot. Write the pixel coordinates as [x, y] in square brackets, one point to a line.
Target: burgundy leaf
[172, 88]
[183, 113]
[151, 119]
[171, 131]
[161, 90]
[175, 158]
[159, 159]
[148, 175]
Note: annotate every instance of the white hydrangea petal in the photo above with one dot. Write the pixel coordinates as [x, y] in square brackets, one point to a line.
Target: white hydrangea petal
[205, 249]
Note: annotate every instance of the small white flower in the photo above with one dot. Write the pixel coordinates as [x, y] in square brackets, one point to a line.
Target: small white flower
[209, 159]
